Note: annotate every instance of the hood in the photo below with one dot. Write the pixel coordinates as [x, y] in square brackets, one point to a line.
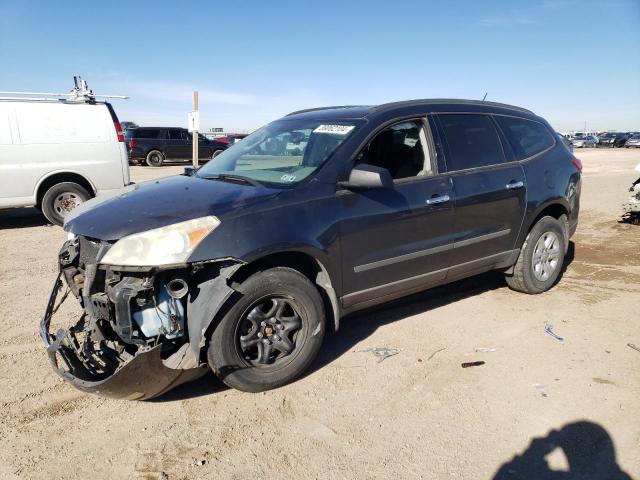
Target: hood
[158, 203]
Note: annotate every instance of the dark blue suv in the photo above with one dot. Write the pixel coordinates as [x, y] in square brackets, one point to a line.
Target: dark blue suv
[155, 145]
[241, 266]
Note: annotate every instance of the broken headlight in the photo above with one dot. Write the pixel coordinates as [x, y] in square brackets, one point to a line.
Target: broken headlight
[161, 246]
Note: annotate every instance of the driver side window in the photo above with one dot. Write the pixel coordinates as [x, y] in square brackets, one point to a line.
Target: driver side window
[401, 148]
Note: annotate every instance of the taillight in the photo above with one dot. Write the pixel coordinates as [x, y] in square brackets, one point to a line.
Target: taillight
[132, 143]
[119, 131]
[577, 163]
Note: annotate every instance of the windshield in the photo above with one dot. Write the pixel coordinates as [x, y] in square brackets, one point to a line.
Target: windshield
[283, 152]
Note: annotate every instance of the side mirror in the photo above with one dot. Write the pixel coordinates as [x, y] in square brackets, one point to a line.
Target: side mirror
[366, 176]
[189, 171]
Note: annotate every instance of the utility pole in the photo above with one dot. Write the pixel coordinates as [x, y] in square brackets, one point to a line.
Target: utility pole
[195, 129]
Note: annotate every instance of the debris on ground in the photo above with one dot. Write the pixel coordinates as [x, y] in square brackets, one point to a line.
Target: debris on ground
[381, 353]
[540, 389]
[435, 353]
[549, 329]
[472, 364]
[631, 345]
[486, 350]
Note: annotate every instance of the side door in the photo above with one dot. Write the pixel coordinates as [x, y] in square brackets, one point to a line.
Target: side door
[490, 192]
[396, 241]
[177, 147]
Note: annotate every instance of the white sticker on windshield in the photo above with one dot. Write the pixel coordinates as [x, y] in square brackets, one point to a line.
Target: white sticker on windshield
[288, 178]
[336, 129]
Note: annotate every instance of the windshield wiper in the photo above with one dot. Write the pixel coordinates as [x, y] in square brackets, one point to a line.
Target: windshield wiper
[225, 177]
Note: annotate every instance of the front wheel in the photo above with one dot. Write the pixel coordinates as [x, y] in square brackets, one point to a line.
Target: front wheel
[272, 332]
[541, 258]
[61, 199]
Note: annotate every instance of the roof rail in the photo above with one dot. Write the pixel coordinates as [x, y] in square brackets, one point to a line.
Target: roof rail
[79, 93]
[458, 101]
[320, 108]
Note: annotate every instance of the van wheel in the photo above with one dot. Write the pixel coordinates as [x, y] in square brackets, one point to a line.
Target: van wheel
[271, 334]
[61, 199]
[541, 258]
[154, 158]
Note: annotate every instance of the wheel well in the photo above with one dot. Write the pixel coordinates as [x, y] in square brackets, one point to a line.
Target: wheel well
[303, 263]
[555, 210]
[56, 178]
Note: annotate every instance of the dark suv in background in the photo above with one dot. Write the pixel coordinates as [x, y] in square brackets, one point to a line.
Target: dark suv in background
[155, 145]
[242, 265]
[612, 139]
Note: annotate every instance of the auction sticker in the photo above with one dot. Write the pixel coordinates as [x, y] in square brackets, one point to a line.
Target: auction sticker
[335, 129]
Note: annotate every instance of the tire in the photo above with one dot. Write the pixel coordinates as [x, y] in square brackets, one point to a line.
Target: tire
[216, 153]
[61, 199]
[154, 158]
[247, 366]
[531, 277]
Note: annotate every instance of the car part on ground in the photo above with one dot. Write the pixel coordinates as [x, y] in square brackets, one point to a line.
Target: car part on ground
[240, 265]
[631, 207]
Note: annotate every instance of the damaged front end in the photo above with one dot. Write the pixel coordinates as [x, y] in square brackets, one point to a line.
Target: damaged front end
[142, 330]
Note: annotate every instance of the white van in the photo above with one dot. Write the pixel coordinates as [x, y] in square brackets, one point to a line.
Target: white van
[55, 154]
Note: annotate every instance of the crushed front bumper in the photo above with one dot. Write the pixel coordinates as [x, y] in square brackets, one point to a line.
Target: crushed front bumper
[141, 377]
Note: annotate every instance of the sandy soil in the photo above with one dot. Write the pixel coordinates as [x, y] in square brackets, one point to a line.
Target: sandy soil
[417, 414]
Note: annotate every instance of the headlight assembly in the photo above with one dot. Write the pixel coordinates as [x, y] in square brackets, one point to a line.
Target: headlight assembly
[160, 246]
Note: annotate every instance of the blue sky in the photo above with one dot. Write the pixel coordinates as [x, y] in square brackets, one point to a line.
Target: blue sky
[253, 61]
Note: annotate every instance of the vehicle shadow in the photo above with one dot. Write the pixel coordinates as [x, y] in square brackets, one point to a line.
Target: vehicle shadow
[587, 446]
[360, 325]
[356, 327]
[22, 218]
[208, 384]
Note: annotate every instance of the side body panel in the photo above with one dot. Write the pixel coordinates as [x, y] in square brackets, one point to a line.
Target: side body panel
[50, 138]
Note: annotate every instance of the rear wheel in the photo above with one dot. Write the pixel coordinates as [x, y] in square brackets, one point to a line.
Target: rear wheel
[154, 158]
[61, 199]
[541, 258]
[271, 334]
[216, 153]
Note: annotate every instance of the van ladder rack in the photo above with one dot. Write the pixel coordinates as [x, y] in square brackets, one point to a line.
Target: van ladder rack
[79, 93]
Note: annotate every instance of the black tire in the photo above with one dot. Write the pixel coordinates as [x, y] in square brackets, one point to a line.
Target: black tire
[154, 158]
[234, 364]
[59, 201]
[216, 153]
[533, 278]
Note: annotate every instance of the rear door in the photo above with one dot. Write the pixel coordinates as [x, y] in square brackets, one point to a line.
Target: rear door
[178, 147]
[397, 240]
[490, 192]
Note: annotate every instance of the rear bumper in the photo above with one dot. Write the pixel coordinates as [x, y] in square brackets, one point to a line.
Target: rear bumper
[142, 377]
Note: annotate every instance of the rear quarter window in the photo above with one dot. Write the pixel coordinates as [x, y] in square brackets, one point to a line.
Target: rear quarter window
[526, 137]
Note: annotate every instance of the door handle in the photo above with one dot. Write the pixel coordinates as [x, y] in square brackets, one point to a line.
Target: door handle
[514, 185]
[438, 199]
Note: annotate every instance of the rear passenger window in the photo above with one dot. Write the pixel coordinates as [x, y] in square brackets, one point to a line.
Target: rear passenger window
[147, 133]
[526, 137]
[472, 141]
[176, 135]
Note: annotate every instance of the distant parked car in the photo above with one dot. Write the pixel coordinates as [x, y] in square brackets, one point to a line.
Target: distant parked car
[128, 125]
[633, 141]
[231, 138]
[583, 142]
[612, 139]
[155, 145]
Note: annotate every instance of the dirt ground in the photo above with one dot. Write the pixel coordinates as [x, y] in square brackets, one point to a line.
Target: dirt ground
[537, 403]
